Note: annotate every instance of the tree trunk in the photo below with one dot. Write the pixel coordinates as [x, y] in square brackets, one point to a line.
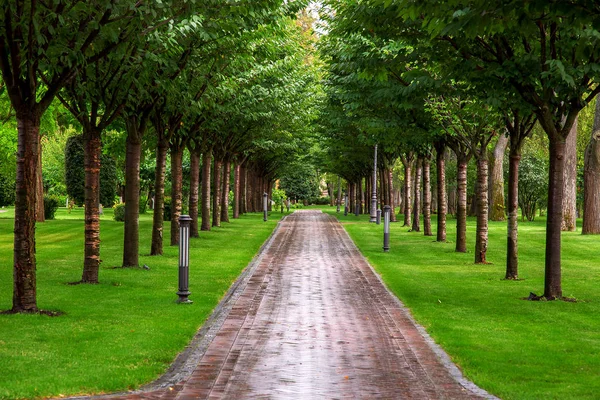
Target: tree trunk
[427, 195]
[24, 266]
[481, 237]
[225, 193]
[570, 183]
[407, 191]
[339, 192]
[132, 199]
[390, 193]
[206, 161]
[194, 191]
[39, 188]
[236, 191]
[461, 208]
[92, 151]
[243, 189]
[591, 179]
[441, 192]
[552, 281]
[496, 181]
[416, 222]
[217, 173]
[158, 216]
[512, 249]
[176, 191]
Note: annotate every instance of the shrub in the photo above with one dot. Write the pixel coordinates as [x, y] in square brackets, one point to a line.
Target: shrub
[167, 211]
[119, 214]
[321, 201]
[51, 204]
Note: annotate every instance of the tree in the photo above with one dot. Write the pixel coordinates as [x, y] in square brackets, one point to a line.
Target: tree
[591, 190]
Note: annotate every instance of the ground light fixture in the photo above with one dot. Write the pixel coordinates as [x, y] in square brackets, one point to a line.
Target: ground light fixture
[386, 228]
[345, 204]
[184, 259]
[265, 198]
[378, 219]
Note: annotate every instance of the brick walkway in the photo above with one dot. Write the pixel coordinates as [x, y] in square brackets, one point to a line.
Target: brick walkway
[315, 321]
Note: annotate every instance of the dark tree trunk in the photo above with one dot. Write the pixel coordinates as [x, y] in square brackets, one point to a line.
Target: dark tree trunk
[496, 181]
[92, 151]
[407, 162]
[569, 222]
[156, 248]
[39, 187]
[236, 191]
[591, 179]
[390, 192]
[481, 238]
[512, 250]
[24, 267]
[339, 192]
[383, 181]
[361, 196]
[217, 173]
[176, 191]
[440, 150]
[243, 189]
[427, 195]
[132, 197]
[461, 208]
[552, 283]
[206, 161]
[416, 222]
[194, 190]
[225, 193]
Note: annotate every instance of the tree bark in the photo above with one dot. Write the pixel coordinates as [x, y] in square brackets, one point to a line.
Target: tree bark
[591, 179]
[176, 191]
[416, 222]
[194, 198]
[461, 207]
[569, 222]
[481, 237]
[390, 193]
[225, 193]
[156, 248]
[217, 173]
[496, 181]
[24, 263]
[206, 161]
[427, 195]
[407, 162]
[243, 189]
[440, 149]
[132, 198]
[92, 152]
[39, 188]
[552, 281]
[512, 250]
[236, 191]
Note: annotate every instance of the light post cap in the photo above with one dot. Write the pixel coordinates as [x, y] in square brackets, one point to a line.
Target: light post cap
[265, 194]
[184, 218]
[386, 208]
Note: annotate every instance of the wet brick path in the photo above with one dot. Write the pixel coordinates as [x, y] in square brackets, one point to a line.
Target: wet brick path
[314, 321]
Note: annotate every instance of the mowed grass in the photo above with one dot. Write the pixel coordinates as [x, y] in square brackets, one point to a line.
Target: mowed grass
[125, 331]
[513, 348]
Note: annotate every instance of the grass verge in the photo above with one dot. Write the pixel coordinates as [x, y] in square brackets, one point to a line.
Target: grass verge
[513, 348]
[125, 331]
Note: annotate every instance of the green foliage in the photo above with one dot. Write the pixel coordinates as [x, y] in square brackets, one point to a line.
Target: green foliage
[299, 181]
[167, 209]
[7, 191]
[533, 186]
[119, 212]
[74, 171]
[51, 204]
[321, 201]
[279, 197]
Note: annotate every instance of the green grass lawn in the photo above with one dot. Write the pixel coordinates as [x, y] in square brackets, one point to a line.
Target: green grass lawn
[125, 331]
[513, 348]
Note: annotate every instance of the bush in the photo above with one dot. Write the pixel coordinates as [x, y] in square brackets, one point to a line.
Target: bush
[297, 205]
[167, 211]
[320, 201]
[7, 191]
[119, 214]
[143, 206]
[51, 204]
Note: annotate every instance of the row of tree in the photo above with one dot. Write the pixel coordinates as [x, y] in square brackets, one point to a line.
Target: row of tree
[419, 77]
[231, 84]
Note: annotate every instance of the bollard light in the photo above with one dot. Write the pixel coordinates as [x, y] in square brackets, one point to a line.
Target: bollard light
[287, 205]
[386, 228]
[265, 196]
[357, 209]
[378, 220]
[184, 259]
[345, 204]
[337, 210]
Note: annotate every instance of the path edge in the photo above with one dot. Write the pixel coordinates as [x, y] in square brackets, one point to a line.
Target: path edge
[444, 358]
